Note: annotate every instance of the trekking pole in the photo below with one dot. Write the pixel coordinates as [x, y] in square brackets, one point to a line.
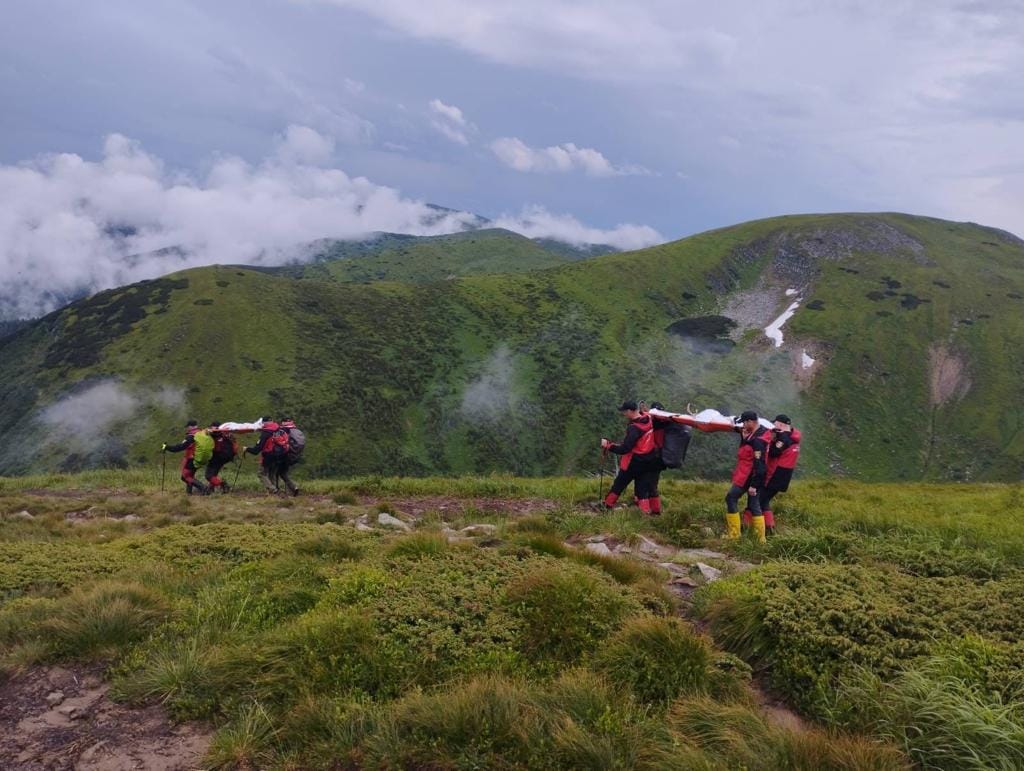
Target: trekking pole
[238, 467]
[163, 469]
[600, 490]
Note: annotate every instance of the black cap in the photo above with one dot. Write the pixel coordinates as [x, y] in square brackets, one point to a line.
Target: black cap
[192, 424]
[783, 419]
[627, 405]
[266, 418]
[657, 406]
[748, 415]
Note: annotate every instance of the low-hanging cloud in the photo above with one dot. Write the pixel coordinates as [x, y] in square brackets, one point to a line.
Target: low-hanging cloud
[538, 222]
[69, 226]
[516, 154]
[492, 394]
[97, 422]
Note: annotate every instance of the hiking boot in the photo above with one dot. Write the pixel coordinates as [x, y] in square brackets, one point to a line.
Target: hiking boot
[225, 487]
[295, 492]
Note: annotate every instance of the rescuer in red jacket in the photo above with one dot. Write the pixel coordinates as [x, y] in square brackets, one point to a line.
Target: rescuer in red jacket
[188, 464]
[639, 461]
[782, 457]
[748, 476]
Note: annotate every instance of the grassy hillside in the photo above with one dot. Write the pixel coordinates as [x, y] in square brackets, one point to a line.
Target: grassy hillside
[484, 633]
[420, 259]
[915, 326]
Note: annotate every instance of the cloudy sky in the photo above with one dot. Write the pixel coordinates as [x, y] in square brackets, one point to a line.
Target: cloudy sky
[238, 128]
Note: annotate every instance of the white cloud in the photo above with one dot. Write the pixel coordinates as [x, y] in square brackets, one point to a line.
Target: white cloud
[538, 222]
[518, 155]
[449, 121]
[69, 225]
[451, 112]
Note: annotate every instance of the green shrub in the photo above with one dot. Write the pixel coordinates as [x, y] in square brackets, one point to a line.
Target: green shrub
[345, 498]
[661, 658]
[544, 543]
[332, 547]
[485, 723]
[418, 545]
[101, 619]
[179, 673]
[623, 570]
[248, 742]
[565, 611]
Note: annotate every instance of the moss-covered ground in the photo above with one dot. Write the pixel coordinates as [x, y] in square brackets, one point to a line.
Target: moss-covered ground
[308, 634]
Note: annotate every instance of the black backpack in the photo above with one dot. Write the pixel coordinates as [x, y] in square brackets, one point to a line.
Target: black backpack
[675, 444]
[296, 444]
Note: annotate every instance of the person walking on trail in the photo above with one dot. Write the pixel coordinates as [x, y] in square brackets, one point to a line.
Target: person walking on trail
[291, 455]
[748, 476]
[638, 462]
[224, 451]
[188, 462]
[660, 426]
[782, 457]
[264, 447]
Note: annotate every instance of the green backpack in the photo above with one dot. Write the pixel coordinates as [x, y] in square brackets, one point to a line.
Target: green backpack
[204, 448]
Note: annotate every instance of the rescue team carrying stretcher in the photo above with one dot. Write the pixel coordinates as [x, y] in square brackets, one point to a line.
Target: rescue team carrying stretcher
[279, 447]
[656, 440]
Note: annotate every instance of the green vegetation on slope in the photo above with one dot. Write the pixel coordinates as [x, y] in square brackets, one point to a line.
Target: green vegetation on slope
[305, 642]
[915, 324]
[432, 258]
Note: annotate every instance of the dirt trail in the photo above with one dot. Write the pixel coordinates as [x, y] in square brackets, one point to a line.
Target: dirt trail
[56, 718]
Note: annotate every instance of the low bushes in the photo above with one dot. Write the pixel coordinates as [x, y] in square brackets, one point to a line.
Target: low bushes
[565, 612]
[659, 659]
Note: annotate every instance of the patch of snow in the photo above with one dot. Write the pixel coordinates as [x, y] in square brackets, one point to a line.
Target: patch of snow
[790, 292]
[806, 360]
[774, 330]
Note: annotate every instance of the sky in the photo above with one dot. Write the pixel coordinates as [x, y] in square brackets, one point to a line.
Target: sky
[236, 130]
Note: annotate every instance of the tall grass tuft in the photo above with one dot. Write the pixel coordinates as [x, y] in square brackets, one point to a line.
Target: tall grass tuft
[419, 545]
[248, 742]
[661, 658]
[102, 619]
[564, 611]
[940, 720]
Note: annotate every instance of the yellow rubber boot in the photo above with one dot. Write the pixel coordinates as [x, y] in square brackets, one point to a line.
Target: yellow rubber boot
[758, 525]
[732, 526]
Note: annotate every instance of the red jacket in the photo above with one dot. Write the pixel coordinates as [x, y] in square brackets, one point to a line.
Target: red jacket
[751, 459]
[784, 451]
[639, 441]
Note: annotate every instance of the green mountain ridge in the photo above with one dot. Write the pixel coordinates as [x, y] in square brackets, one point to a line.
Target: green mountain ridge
[914, 326]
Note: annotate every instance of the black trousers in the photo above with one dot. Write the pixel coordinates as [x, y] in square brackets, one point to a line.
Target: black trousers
[644, 475]
[732, 499]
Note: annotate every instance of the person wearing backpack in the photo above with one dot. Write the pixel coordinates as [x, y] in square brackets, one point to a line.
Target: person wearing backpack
[264, 447]
[224, 451]
[194, 440]
[782, 457]
[292, 455]
[671, 440]
[639, 461]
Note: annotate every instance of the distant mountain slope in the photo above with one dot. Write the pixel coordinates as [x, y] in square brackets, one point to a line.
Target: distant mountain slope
[902, 360]
[432, 258]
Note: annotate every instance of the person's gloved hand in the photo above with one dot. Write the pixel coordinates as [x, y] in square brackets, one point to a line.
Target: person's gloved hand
[163, 447]
[605, 444]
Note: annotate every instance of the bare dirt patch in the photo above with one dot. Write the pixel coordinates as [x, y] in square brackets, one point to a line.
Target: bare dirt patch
[948, 375]
[56, 718]
[416, 507]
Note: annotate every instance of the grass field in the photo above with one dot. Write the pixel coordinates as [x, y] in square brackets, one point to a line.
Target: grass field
[887, 615]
